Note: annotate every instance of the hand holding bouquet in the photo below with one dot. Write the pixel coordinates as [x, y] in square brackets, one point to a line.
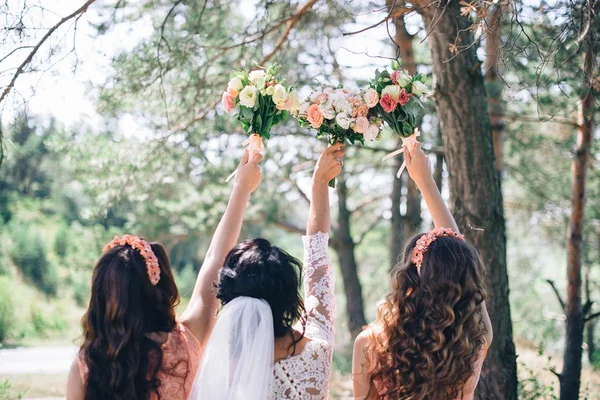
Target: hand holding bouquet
[341, 116]
[400, 104]
[260, 99]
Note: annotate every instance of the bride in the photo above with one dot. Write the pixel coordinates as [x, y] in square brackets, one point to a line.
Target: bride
[268, 343]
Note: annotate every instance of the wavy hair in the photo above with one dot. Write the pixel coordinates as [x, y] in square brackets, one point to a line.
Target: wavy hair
[256, 268]
[125, 312]
[431, 329]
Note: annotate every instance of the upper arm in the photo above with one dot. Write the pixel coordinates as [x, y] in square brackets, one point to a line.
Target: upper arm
[75, 386]
[489, 336]
[360, 367]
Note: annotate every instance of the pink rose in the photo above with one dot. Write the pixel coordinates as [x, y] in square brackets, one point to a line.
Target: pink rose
[232, 92]
[314, 116]
[394, 77]
[321, 98]
[371, 98]
[287, 106]
[388, 103]
[228, 102]
[361, 125]
[404, 97]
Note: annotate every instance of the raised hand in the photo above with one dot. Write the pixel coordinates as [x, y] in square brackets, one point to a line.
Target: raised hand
[417, 164]
[248, 174]
[329, 164]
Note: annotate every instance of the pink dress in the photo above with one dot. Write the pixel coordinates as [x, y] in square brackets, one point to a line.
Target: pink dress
[181, 358]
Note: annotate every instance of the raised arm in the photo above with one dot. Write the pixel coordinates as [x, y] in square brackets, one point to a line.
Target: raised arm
[199, 317]
[319, 294]
[419, 169]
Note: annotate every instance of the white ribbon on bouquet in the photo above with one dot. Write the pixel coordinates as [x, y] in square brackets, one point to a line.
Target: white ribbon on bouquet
[407, 142]
[255, 146]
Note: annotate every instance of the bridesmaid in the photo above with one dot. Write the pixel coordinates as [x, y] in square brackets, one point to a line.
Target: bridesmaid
[433, 330]
[134, 346]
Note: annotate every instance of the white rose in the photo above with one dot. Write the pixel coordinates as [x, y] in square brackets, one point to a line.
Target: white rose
[392, 90]
[235, 84]
[343, 120]
[403, 78]
[280, 95]
[248, 96]
[256, 74]
[327, 111]
[419, 88]
[270, 90]
[295, 100]
[372, 132]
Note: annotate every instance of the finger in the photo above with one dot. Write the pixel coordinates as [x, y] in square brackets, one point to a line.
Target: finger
[339, 154]
[418, 147]
[244, 159]
[407, 156]
[256, 159]
[334, 147]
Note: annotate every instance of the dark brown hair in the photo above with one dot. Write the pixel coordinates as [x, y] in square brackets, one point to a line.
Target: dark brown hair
[431, 326]
[256, 268]
[125, 309]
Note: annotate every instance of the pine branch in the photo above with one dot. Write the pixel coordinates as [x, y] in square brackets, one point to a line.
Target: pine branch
[33, 52]
[560, 300]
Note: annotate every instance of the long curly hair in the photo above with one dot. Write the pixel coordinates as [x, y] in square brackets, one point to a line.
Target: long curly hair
[256, 268]
[430, 329]
[119, 351]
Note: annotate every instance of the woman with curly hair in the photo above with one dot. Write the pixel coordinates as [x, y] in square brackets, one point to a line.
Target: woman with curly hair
[432, 331]
[134, 346]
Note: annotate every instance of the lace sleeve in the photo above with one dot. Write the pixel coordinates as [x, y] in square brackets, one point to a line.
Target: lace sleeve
[319, 295]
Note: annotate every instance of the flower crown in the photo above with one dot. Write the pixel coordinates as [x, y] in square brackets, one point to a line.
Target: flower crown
[145, 250]
[425, 241]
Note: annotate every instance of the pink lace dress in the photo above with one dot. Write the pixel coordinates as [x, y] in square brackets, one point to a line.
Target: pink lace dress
[306, 376]
[181, 357]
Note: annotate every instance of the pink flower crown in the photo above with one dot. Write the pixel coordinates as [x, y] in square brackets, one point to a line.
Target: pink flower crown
[425, 241]
[145, 250]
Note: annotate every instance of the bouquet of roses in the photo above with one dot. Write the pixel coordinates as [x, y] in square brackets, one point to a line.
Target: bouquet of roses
[341, 116]
[259, 99]
[400, 103]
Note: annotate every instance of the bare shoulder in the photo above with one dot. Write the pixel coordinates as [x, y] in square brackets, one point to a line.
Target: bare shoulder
[75, 386]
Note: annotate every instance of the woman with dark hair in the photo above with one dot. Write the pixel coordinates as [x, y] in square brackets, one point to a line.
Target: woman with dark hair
[134, 347]
[268, 344]
[432, 331]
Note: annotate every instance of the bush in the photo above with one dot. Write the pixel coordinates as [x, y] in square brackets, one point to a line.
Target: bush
[4, 267]
[45, 323]
[81, 290]
[62, 241]
[186, 280]
[532, 388]
[7, 393]
[30, 256]
[7, 312]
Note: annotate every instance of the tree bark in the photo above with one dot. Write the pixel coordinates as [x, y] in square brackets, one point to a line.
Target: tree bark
[397, 236]
[475, 193]
[590, 326]
[494, 84]
[570, 377]
[344, 246]
[411, 222]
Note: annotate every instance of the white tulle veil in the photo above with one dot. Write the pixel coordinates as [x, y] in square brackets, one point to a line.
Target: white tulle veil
[237, 363]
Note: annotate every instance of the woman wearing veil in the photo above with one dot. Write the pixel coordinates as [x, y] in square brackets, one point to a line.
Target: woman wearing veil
[267, 342]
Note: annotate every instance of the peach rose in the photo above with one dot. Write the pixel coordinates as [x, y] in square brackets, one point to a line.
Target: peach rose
[361, 125]
[228, 102]
[232, 92]
[371, 98]
[314, 116]
[388, 103]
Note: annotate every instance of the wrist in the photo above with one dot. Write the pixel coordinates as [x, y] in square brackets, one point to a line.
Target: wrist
[240, 192]
[424, 181]
[320, 181]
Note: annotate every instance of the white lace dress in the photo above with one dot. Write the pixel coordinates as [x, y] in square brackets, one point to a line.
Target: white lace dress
[306, 376]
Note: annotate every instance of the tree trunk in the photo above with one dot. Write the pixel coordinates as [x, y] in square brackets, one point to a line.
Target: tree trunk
[570, 377]
[590, 326]
[475, 195]
[494, 84]
[411, 223]
[397, 236]
[344, 247]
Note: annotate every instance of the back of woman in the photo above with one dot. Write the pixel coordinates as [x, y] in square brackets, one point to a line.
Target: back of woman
[433, 330]
[133, 346]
